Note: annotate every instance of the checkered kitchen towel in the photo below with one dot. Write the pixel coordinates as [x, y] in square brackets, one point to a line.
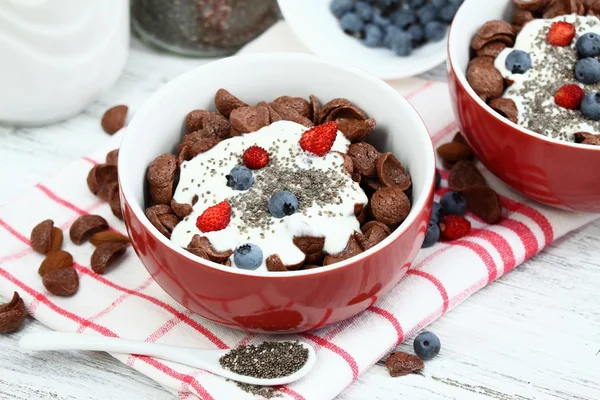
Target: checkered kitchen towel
[127, 303]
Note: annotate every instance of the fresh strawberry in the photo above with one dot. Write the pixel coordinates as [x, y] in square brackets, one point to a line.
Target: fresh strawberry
[319, 140]
[561, 34]
[255, 157]
[215, 218]
[454, 227]
[569, 96]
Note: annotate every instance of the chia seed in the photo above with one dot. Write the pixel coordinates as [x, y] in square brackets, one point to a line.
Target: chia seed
[268, 360]
[264, 391]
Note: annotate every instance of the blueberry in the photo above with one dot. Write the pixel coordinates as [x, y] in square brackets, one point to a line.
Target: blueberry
[248, 256]
[383, 4]
[351, 23]
[447, 12]
[341, 7]
[587, 71]
[373, 35]
[432, 236]
[438, 179]
[403, 18]
[402, 44]
[363, 10]
[415, 3]
[427, 345]
[435, 31]
[390, 33]
[590, 106]
[437, 212]
[518, 62]
[454, 203]
[426, 13]
[417, 33]
[380, 21]
[588, 45]
[283, 204]
[438, 3]
[240, 178]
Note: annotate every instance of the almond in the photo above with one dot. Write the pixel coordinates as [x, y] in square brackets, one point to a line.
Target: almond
[54, 261]
[100, 238]
[454, 151]
[56, 240]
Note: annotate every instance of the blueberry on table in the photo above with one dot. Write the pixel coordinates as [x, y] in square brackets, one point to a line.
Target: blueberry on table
[454, 203]
[363, 10]
[438, 179]
[590, 106]
[283, 204]
[402, 44]
[240, 178]
[373, 36]
[437, 212]
[518, 62]
[435, 31]
[587, 71]
[248, 256]
[427, 345]
[351, 23]
[426, 13]
[432, 236]
[416, 32]
[588, 45]
[341, 7]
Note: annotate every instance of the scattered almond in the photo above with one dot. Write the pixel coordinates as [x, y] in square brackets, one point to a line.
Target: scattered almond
[99, 238]
[54, 261]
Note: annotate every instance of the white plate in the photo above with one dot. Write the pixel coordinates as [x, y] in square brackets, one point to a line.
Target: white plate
[319, 30]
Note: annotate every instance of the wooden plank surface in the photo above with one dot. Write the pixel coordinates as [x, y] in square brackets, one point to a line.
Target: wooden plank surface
[534, 334]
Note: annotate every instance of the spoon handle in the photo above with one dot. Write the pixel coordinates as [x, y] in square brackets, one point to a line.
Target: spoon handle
[75, 341]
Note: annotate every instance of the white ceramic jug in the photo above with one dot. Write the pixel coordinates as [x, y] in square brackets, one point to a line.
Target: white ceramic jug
[57, 56]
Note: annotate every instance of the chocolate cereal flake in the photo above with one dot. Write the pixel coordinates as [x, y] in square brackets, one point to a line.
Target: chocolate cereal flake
[298, 104]
[61, 282]
[390, 205]
[114, 119]
[12, 314]
[364, 156]
[106, 254]
[391, 172]
[399, 364]
[352, 249]
[249, 119]
[161, 178]
[484, 202]
[465, 175]
[505, 107]
[356, 129]
[41, 236]
[226, 102]
[112, 157]
[85, 226]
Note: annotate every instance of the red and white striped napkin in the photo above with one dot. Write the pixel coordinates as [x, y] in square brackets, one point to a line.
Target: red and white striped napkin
[127, 303]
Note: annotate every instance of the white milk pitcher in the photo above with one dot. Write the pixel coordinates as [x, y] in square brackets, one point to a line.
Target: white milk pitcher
[57, 56]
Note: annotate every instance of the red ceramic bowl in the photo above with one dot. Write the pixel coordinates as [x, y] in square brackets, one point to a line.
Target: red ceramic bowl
[262, 301]
[553, 172]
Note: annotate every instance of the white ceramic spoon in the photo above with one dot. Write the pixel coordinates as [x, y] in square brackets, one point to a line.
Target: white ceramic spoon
[207, 360]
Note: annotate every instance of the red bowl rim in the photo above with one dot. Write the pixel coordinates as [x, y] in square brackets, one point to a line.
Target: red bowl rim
[462, 80]
[418, 204]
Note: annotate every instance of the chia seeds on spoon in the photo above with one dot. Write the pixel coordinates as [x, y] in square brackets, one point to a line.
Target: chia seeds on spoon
[267, 360]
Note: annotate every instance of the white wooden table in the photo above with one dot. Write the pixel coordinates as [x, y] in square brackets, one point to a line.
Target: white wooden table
[541, 339]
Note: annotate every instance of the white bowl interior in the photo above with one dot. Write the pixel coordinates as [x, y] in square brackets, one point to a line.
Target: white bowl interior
[158, 126]
[315, 25]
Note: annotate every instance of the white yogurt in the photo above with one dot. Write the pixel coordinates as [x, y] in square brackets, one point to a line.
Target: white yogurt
[552, 67]
[204, 176]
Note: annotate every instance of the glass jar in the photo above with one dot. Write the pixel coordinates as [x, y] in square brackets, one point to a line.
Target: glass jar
[202, 27]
